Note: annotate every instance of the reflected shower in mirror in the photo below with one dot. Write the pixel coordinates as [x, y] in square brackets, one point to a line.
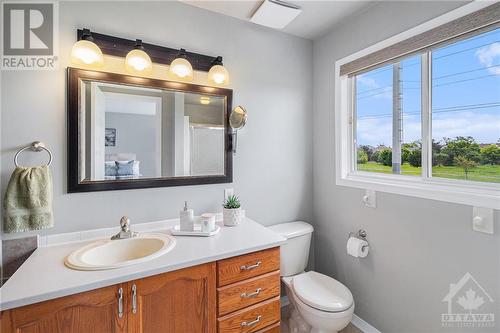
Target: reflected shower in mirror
[133, 132]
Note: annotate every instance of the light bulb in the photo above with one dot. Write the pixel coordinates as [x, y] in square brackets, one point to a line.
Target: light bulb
[204, 100]
[138, 62]
[181, 68]
[218, 74]
[87, 53]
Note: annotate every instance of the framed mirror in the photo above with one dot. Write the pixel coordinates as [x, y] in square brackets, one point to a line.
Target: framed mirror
[127, 132]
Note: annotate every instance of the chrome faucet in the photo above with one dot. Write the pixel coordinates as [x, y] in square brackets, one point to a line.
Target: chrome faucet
[125, 231]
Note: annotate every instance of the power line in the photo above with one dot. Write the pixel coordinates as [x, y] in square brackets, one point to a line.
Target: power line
[468, 105]
[465, 50]
[434, 86]
[439, 110]
[465, 72]
[464, 80]
[382, 69]
[374, 89]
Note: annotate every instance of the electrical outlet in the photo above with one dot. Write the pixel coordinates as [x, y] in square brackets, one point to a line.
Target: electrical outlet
[482, 220]
[370, 199]
[227, 193]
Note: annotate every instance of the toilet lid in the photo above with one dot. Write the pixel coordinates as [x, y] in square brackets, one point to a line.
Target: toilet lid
[322, 292]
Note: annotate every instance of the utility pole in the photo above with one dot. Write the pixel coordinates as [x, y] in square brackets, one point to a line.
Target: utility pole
[397, 118]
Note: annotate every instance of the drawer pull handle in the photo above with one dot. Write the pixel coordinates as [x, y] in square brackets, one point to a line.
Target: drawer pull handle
[250, 267]
[134, 299]
[254, 294]
[120, 302]
[251, 323]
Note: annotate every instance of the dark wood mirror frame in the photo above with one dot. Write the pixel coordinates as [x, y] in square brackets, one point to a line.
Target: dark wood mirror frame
[75, 185]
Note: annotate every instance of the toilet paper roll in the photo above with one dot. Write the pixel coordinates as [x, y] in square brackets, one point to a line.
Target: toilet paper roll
[357, 248]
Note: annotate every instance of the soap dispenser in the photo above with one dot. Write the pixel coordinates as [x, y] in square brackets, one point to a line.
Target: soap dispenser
[186, 218]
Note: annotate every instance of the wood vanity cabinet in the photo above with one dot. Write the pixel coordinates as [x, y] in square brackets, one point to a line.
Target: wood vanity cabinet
[239, 294]
[178, 301]
[248, 293]
[93, 311]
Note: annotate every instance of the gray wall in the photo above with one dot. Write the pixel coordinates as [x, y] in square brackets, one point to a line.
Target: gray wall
[273, 167]
[137, 134]
[418, 247]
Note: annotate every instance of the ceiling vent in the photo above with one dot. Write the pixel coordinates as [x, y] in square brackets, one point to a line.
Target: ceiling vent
[275, 14]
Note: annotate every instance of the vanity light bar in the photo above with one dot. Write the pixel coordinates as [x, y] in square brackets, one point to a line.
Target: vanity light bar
[120, 47]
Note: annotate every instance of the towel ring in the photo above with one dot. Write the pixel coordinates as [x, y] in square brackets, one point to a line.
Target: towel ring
[35, 146]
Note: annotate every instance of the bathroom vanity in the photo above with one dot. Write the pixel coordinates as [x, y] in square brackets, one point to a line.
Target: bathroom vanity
[226, 283]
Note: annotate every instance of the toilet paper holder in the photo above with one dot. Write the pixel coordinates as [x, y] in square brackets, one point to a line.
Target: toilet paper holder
[361, 234]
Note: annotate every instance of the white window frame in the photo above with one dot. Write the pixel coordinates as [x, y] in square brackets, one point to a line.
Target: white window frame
[449, 190]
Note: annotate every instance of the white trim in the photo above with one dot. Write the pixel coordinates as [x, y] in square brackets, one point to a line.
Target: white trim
[426, 189]
[455, 191]
[426, 102]
[363, 325]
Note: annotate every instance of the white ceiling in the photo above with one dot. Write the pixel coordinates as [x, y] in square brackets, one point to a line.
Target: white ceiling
[316, 19]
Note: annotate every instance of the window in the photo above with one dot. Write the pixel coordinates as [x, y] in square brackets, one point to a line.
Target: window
[388, 118]
[466, 109]
[424, 123]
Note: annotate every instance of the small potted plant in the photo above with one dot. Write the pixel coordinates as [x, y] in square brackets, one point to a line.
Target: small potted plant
[232, 213]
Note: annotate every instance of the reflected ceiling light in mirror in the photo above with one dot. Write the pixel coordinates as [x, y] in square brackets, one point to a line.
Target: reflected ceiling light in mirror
[85, 52]
[218, 74]
[137, 60]
[204, 100]
[181, 68]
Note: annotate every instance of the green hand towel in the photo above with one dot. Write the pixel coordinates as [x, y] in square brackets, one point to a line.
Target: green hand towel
[28, 200]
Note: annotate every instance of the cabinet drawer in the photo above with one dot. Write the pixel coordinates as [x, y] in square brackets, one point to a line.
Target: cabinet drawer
[251, 319]
[274, 328]
[246, 266]
[248, 292]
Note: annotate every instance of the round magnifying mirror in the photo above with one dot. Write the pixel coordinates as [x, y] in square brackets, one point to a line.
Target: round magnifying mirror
[237, 119]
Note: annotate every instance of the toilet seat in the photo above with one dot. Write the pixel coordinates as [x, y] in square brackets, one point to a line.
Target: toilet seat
[322, 292]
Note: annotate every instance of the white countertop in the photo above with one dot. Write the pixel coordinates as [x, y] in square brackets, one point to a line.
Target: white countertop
[44, 276]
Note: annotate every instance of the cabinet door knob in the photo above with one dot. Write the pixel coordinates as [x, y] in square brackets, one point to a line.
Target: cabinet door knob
[120, 302]
[250, 267]
[250, 295]
[134, 299]
[251, 323]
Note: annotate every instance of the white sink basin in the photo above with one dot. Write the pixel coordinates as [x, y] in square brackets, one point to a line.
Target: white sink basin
[108, 254]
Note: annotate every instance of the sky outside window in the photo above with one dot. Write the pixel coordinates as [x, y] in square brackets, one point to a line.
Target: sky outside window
[466, 103]
[374, 111]
[465, 111]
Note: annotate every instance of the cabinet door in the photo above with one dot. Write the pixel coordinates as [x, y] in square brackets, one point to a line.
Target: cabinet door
[176, 302]
[95, 311]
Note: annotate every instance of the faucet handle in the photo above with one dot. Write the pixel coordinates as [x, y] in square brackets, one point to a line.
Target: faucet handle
[125, 224]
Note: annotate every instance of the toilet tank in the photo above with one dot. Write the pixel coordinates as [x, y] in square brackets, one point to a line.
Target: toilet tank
[295, 252]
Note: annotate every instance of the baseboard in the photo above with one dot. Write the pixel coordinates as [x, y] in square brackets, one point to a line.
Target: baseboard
[356, 321]
[363, 325]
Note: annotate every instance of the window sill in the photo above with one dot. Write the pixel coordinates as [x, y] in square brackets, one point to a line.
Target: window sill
[443, 190]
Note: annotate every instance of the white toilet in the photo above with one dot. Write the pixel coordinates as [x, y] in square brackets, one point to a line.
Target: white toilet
[321, 303]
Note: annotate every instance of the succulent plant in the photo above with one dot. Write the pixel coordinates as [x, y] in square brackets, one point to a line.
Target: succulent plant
[232, 202]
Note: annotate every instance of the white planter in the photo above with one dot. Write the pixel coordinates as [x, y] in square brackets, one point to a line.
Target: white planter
[232, 217]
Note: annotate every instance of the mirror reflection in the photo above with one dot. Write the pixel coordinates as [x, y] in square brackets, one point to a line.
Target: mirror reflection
[130, 132]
